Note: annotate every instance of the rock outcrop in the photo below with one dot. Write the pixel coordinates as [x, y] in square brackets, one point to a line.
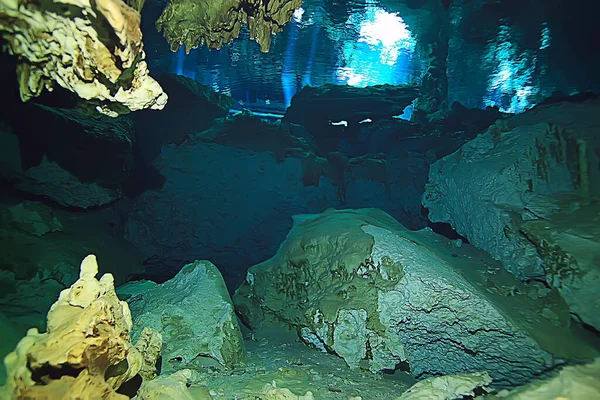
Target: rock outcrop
[194, 314]
[86, 350]
[174, 386]
[273, 172]
[358, 284]
[572, 382]
[449, 387]
[516, 191]
[316, 108]
[34, 218]
[192, 108]
[41, 249]
[215, 23]
[69, 157]
[67, 43]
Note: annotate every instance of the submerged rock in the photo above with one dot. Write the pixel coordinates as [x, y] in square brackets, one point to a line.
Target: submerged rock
[215, 23]
[524, 175]
[69, 47]
[195, 316]
[88, 332]
[34, 218]
[449, 387]
[568, 243]
[192, 108]
[572, 382]
[200, 210]
[71, 158]
[316, 108]
[174, 386]
[358, 284]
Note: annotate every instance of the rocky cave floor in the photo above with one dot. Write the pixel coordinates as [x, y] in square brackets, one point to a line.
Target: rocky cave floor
[278, 358]
[510, 289]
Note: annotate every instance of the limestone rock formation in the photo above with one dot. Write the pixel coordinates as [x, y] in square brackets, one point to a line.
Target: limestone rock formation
[572, 382]
[49, 179]
[272, 392]
[358, 284]
[67, 43]
[149, 345]
[34, 218]
[191, 23]
[316, 108]
[568, 243]
[174, 386]
[533, 172]
[71, 158]
[170, 226]
[448, 387]
[194, 314]
[192, 108]
[86, 350]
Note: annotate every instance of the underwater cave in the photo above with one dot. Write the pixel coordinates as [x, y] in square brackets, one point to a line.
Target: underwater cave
[299, 199]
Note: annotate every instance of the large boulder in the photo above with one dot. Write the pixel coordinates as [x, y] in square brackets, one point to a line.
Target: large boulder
[449, 387]
[360, 285]
[194, 314]
[516, 189]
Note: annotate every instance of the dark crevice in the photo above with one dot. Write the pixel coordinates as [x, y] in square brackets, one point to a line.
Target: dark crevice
[402, 366]
[442, 228]
[47, 373]
[131, 387]
[586, 327]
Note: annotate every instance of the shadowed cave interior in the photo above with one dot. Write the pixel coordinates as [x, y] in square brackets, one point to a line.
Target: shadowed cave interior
[286, 199]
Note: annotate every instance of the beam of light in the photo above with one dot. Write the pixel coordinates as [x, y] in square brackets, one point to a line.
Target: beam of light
[306, 79]
[178, 65]
[298, 13]
[288, 76]
[179, 58]
[511, 86]
[546, 38]
[382, 53]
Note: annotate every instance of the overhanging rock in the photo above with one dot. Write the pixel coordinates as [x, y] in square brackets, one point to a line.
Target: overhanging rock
[524, 191]
[190, 23]
[93, 49]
